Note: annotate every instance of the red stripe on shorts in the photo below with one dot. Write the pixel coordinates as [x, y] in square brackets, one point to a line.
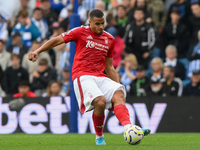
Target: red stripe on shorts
[82, 97]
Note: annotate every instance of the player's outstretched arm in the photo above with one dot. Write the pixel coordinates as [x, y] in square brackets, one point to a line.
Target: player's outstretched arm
[110, 70]
[46, 46]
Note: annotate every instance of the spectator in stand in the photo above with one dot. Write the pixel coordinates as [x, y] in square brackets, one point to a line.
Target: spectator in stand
[24, 4]
[49, 15]
[4, 56]
[53, 89]
[184, 7]
[127, 70]
[65, 12]
[13, 75]
[171, 60]
[24, 90]
[194, 57]
[58, 5]
[2, 93]
[140, 4]
[42, 77]
[30, 66]
[101, 6]
[1, 75]
[40, 23]
[62, 58]
[51, 53]
[89, 4]
[158, 13]
[64, 21]
[111, 21]
[3, 30]
[116, 3]
[171, 86]
[65, 87]
[175, 33]
[140, 38]
[121, 20]
[17, 46]
[193, 88]
[157, 68]
[127, 4]
[57, 29]
[155, 88]
[194, 22]
[119, 46]
[26, 28]
[140, 85]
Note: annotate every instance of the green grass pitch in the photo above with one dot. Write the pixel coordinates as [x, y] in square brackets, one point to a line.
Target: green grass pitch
[158, 141]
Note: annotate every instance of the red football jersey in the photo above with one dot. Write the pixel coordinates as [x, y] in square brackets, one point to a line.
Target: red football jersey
[91, 51]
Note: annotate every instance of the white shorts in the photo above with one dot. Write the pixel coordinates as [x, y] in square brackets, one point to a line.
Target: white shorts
[87, 88]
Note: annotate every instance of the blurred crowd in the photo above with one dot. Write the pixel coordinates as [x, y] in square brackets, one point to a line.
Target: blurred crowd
[157, 49]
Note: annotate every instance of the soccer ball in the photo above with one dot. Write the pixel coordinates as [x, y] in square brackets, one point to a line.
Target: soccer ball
[133, 135]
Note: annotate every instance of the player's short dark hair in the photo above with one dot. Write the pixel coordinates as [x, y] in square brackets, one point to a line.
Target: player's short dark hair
[171, 68]
[43, 62]
[14, 56]
[96, 13]
[37, 9]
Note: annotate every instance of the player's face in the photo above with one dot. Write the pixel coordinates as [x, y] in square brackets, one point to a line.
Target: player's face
[97, 25]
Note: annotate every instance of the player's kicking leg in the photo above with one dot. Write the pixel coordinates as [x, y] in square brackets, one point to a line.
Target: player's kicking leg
[121, 112]
[98, 117]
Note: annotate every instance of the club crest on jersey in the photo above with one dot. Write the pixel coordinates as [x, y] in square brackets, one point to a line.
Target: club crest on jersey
[90, 95]
[106, 40]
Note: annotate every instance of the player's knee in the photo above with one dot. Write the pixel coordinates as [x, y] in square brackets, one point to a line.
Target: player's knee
[101, 103]
[118, 97]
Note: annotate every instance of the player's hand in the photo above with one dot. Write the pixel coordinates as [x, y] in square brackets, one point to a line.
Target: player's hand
[33, 56]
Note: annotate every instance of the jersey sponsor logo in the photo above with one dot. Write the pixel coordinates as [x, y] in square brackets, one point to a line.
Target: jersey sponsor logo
[89, 37]
[91, 44]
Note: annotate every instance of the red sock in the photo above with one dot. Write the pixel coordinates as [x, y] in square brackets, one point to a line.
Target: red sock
[98, 124]
[122, 114]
